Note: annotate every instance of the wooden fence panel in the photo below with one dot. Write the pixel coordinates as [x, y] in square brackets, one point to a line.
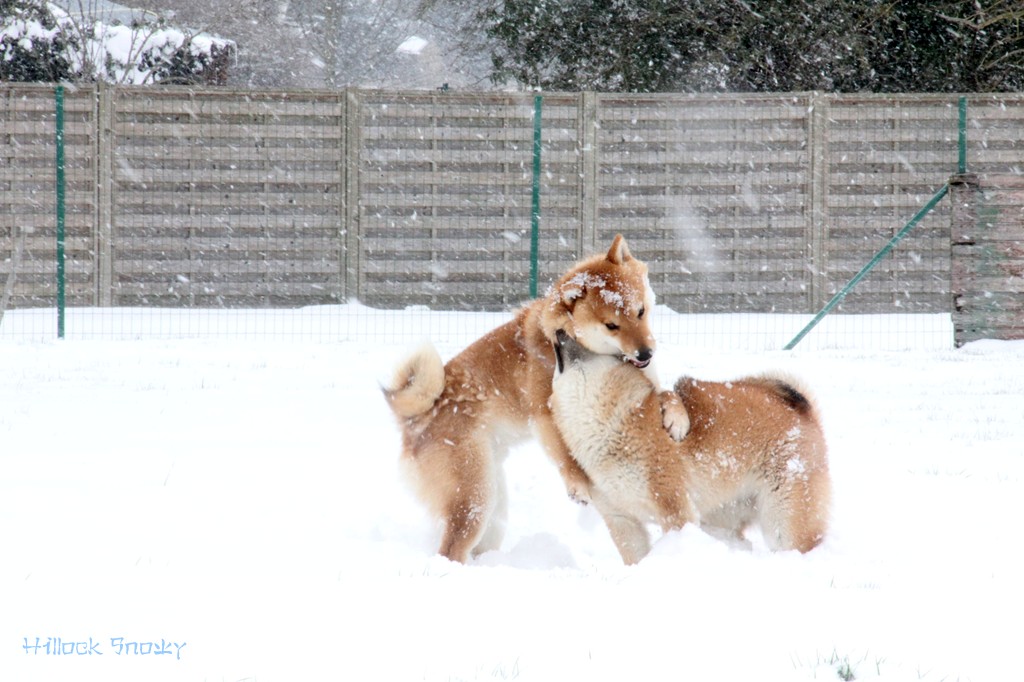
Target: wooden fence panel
[887, 156]
[445, 196]
[713, 193]
[226, 199]
[28, 176]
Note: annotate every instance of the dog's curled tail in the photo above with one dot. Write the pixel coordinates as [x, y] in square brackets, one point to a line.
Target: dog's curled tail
[417, 383]
[792, 392]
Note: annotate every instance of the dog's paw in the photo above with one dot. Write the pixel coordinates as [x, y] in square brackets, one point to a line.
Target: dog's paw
[674, 417]
[579, 493]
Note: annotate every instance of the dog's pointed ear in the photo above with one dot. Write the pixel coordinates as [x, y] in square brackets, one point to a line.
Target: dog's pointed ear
[569, 293]
[619, 252]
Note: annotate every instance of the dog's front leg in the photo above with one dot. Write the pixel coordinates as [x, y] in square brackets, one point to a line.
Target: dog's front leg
[628, 533]
[674, 416]
[577, 483]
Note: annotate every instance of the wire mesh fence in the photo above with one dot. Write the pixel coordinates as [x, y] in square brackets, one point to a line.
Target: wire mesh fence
[28, 215]
[390, 215]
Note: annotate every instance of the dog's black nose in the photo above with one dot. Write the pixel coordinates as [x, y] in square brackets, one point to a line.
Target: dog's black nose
[644, 354]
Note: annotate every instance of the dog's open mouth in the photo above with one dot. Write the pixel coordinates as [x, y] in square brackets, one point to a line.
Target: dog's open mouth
[637, 363]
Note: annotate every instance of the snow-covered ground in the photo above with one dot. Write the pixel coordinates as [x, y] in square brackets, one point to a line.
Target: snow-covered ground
[231, 509]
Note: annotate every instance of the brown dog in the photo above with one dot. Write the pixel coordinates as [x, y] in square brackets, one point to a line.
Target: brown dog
[753, 451]
[458, 420]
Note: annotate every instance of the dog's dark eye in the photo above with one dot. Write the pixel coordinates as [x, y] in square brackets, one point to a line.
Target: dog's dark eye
[640, 315]
[611, 326]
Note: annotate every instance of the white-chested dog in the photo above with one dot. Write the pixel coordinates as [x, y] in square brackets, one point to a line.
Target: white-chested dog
[753, 452]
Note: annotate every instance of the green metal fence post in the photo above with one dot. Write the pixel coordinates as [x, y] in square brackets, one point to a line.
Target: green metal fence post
[962, 136]
[535, 210]
[59, 140]
[867, 268]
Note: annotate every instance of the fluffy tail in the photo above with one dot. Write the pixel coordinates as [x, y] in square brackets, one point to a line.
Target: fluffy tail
[417, 383]
[791, 391]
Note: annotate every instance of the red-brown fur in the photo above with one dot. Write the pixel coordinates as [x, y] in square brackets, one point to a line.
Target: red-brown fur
[753, 452]
[457, 420]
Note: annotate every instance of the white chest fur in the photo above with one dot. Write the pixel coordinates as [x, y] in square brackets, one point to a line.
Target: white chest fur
[591, 400]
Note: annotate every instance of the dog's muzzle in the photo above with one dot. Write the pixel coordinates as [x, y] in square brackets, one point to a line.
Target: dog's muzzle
[642, 357]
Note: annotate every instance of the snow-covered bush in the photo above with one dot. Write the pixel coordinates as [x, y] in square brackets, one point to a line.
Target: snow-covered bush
[41, 42]
[33, 46]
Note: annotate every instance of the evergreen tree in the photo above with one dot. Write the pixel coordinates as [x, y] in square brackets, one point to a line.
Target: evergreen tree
[757, 45]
